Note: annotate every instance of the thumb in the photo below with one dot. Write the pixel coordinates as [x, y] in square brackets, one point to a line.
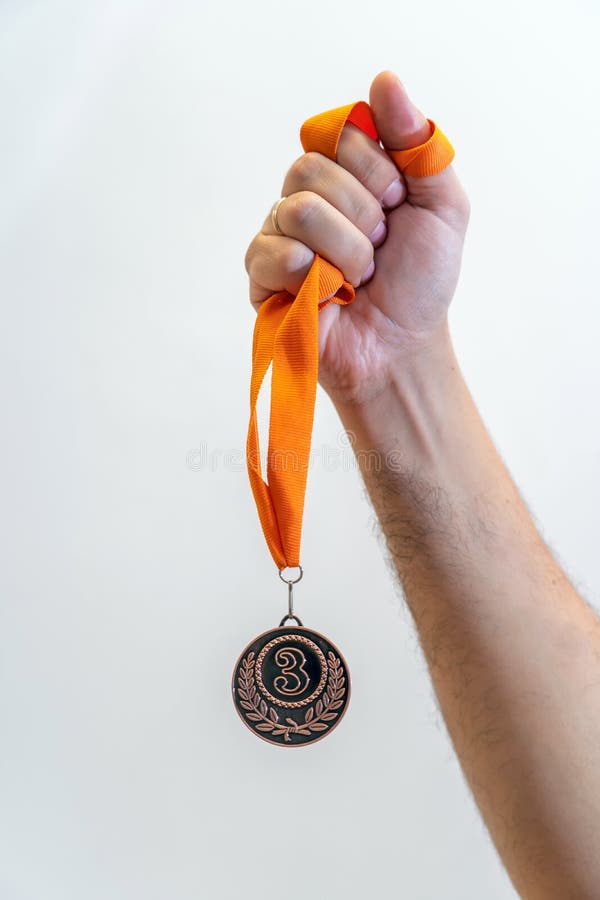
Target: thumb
[401, 125]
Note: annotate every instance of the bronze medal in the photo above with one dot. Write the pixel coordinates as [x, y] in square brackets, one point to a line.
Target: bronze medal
[291, 685]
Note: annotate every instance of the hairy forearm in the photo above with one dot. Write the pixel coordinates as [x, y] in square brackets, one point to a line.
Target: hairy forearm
[512, 648]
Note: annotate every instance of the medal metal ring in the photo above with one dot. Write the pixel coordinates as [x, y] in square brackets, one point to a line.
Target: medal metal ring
[274, 212]
[291, 580]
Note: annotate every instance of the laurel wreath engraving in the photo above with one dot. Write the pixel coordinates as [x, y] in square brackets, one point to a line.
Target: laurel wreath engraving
[316, 718]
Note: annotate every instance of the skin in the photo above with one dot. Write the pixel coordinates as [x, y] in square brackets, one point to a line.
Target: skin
[512, 648]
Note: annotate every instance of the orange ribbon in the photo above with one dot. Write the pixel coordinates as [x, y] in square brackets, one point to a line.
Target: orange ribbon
[286, 334]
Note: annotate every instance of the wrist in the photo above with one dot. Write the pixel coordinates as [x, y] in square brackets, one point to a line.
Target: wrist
[404, 424]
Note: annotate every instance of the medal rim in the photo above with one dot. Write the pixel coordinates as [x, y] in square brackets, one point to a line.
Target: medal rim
[331, 727]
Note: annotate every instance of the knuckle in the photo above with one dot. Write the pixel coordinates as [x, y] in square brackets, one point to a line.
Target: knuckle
[252, 267]
[250, 256]
[302, 207]
[366, 213]
[307, 169]
[371, 168]
[255, 259]
[276, 259]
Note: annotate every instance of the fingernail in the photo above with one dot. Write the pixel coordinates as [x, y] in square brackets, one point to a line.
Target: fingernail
[393, 194]
[379, 232]
[368, 273]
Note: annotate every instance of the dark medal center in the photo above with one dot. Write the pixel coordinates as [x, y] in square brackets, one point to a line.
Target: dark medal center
[291, 670]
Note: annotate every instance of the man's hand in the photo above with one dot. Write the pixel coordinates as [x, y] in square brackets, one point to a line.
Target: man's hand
[339, 210]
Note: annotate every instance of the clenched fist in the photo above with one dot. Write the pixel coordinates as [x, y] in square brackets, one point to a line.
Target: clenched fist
[397, 238]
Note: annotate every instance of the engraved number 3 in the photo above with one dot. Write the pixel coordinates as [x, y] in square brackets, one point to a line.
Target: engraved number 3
[291, 662]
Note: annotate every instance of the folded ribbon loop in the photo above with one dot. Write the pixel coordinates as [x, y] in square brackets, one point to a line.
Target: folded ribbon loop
[286, 334]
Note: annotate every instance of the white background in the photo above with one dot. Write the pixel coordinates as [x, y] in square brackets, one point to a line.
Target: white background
[142, 145]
